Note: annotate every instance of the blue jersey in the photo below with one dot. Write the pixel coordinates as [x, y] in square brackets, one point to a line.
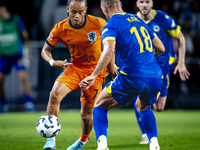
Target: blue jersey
[165, 28]
[134, 51]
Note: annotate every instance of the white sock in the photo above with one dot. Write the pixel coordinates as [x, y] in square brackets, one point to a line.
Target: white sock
[102, 142]
[154, 140]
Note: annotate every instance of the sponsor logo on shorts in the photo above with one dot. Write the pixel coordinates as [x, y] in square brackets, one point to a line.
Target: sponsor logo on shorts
[61, 74]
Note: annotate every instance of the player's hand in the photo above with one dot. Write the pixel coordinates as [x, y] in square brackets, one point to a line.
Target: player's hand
[60, 64]
[183, 72]
[113, 69]
[87, 82]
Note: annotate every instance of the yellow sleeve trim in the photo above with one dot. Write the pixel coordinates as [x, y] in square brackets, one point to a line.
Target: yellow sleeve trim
[108, 38]
[175, 32]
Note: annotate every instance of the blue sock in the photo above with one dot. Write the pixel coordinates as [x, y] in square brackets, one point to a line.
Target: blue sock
[100, 121]
[3, 101]
[27, 98]
[148, 121]
[138, 116]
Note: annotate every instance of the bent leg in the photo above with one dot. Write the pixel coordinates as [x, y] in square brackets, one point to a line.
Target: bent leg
[100, 121]
[58, 92]
[137, 115]
[148, 122]
[159, 105]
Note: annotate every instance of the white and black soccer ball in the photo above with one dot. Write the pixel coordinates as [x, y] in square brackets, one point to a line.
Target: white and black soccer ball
[48, 126]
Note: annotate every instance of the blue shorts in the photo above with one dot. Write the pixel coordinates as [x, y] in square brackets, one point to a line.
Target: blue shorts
[124, 88]
[7, 62]
[166, 81]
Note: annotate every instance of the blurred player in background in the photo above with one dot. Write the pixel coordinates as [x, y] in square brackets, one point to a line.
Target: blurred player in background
[81, 34]
[139, 71]
[13, 38]
[166, 29]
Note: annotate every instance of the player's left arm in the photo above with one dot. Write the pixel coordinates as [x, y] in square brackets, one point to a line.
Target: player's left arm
[106, 56]
[175, 31]
[181, 68]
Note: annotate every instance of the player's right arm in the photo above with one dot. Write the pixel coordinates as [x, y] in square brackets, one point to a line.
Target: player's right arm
[158, 46]
[113, 68]
[46, 55]
[50, 43]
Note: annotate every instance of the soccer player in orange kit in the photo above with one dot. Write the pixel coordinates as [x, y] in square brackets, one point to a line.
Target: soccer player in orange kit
[81, 33]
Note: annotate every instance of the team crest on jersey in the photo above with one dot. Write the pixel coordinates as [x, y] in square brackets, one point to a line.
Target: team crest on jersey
[92, 36]
[51, 36]
[156, 28]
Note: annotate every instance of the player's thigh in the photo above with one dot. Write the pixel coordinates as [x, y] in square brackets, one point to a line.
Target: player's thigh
[90, 95]
[59, 91]
[106, 100]
[140, 105]
[124, 88]
[159, 105]
[70, 77]
[152, 91]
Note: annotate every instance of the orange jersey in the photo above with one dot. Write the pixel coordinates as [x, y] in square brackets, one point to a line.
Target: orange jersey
[84, 43]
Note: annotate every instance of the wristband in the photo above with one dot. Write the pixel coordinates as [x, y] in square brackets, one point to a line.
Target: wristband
[51, 62]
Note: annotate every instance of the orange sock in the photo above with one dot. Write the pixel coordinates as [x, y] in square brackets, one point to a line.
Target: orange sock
[84, 137]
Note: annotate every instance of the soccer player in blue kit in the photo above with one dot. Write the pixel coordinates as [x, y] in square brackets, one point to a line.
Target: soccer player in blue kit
[166, 29]
[133, 43]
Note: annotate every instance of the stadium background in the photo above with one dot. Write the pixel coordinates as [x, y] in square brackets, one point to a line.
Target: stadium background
[41, 15]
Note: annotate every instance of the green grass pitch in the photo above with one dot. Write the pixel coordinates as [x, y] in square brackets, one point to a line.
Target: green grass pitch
[177, 130]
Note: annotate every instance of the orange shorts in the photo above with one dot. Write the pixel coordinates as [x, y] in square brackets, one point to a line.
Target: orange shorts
[72, 76]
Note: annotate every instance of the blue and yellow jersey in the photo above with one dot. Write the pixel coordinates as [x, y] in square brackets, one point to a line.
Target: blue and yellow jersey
[165, 28]
[134, 50]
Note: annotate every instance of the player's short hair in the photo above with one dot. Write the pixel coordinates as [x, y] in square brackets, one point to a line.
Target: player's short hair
[69, 1]
[112, 4]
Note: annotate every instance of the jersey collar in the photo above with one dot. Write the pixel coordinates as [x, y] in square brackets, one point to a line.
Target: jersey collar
[80, 26]
[154, 14]
[120, 13]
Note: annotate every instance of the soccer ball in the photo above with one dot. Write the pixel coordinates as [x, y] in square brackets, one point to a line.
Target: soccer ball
[48, 126]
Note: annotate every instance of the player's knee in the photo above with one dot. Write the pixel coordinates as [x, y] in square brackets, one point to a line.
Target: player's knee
[159, 107]
[86, 116]
[55, 97]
